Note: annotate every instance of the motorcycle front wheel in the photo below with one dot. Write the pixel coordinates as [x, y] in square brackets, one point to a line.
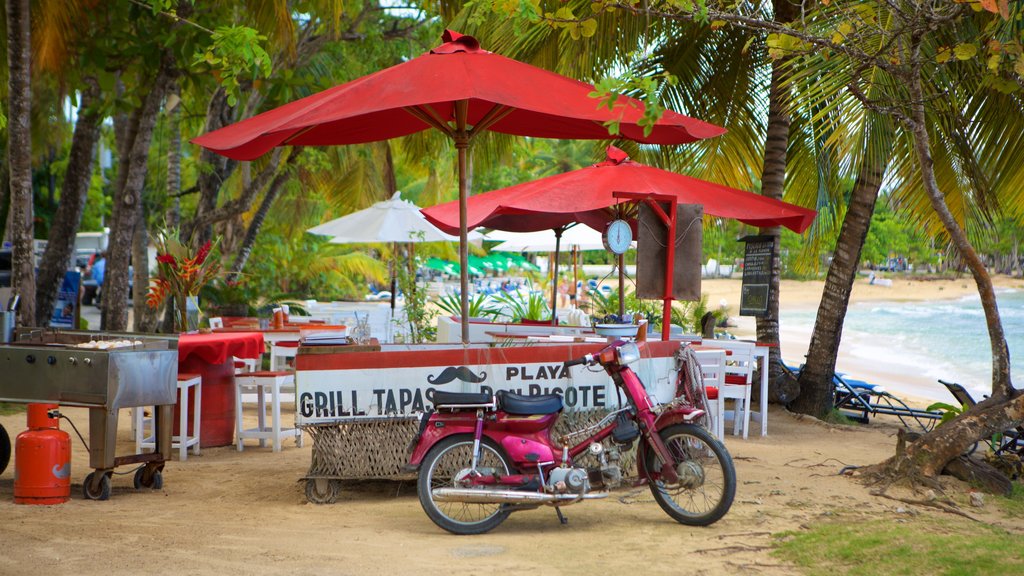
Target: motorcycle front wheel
[707, 478]
[441, 469]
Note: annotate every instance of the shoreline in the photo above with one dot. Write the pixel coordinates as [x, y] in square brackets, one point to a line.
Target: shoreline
[904, 381]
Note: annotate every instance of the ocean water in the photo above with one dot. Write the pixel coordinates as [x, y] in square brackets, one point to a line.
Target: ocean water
[945, 339]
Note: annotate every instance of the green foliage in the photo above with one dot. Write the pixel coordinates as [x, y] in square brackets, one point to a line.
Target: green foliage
[235, 55]
[7, 408]
[915, 546]
[515, 306]
[949, 412]
[452, 304]
[419, 316]
[892, 235]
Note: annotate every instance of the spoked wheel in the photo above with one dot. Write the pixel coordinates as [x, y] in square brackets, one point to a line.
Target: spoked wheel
[101, 493]
[707, 479]
[322, 490]
[443, 467]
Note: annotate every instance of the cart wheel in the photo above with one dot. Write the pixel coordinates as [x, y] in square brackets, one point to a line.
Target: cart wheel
[104, 490]
[156, 480]
[5, 449]
[322, 490]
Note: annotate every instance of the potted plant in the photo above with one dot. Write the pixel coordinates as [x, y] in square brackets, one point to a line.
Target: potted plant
[182, 270]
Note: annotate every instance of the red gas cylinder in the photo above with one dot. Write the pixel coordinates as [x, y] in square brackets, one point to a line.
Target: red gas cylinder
[42, 460]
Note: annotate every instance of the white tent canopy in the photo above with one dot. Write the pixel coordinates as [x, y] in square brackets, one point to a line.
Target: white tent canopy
[583, 237]
[393, 220]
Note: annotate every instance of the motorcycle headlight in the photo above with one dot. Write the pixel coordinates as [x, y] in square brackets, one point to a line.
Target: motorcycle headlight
[628, 353]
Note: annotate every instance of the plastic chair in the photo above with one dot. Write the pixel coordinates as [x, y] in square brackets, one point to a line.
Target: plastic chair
[145, 429]
[712, 370]
[262, 383]
[281, 353]
[739, 374]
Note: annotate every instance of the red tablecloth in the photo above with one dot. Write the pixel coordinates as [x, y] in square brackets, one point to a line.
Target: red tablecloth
[220, 347]
[211, 356]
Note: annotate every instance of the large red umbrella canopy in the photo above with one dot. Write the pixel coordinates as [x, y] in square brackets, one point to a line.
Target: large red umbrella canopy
[462, 91]
[586, 195]
[503, 95]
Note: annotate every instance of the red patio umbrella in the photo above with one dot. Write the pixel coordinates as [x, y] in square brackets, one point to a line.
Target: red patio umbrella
[586, 196]
[460, 90]
[589, 195]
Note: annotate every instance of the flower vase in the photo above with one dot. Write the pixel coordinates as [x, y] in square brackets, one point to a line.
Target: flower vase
[187, 318]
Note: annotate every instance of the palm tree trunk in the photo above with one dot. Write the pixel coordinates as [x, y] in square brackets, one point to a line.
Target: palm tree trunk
[218, 115]
[128, 194]
[925, 458]
[144, 319]
[816, 376]
[261, 214]
[19, 153]
[68, 217]
[772, 181]
[174, 163]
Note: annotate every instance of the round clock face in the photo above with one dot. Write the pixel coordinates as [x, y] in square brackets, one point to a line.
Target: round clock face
[618, 236]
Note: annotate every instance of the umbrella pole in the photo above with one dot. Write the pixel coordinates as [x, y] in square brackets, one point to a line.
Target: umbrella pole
[394, 281]
[462, 145]
[554, 278]
[622, 286]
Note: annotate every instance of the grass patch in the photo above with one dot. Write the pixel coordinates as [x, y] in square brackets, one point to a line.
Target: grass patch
[1013, 505]
[887, 547]
[836, 416]
[7, 408]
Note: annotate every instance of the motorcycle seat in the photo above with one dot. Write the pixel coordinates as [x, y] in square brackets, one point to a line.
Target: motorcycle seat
[523, 405]
[462, 398]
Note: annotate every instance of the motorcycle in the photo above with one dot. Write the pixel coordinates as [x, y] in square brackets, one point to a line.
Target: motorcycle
[481, 457]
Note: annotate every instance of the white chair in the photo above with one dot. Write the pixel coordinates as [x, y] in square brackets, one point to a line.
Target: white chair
[243, 365]
[145, 429]
[281, 353]
[739, 373]
[262, 383]
[712, 369]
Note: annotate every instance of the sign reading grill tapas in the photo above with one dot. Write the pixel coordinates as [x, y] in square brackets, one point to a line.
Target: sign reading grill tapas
[402, 382]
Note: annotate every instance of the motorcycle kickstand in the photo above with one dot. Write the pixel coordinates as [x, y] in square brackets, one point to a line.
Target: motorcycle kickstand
[561, 519]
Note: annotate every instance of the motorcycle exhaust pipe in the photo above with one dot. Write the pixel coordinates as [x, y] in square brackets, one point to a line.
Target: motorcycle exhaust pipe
[485, 496]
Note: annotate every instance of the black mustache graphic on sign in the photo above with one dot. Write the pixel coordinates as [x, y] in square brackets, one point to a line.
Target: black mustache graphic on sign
[462, 373]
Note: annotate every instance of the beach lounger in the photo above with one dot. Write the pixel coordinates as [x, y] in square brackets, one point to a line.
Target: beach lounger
[859, 400]
[1011, 441]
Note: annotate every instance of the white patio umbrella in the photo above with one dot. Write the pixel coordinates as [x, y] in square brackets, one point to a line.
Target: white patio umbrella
[395, 221]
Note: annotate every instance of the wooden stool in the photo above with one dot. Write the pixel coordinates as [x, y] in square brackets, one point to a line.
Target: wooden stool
[145, 431]
[260, 382]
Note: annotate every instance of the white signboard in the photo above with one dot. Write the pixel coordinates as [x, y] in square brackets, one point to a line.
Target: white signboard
[332, 387]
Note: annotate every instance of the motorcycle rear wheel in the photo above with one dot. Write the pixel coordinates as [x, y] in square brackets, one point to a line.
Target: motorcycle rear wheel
[707, 478]
[438, 470]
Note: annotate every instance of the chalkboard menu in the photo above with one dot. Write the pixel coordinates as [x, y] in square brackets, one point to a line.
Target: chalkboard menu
[757, 275]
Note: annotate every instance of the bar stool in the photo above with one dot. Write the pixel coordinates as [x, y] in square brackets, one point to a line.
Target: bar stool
[145, 430]
[281, 353]
[260, 383]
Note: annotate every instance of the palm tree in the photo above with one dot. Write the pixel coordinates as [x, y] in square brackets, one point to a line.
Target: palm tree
[19, 153]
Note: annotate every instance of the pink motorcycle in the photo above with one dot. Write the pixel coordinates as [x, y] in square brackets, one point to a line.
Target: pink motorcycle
[481, 457]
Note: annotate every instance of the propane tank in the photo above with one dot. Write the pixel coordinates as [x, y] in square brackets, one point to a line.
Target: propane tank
[42, 459]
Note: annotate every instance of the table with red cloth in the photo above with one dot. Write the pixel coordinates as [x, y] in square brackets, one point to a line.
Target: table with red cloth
[212, 357]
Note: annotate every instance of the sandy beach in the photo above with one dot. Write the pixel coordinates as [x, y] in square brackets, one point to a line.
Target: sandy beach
[805, 295]
[230, 512]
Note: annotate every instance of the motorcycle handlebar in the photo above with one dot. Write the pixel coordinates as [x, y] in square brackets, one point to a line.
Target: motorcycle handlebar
[588, 359]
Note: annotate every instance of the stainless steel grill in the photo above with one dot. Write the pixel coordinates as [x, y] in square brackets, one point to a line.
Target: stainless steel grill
[50, 366]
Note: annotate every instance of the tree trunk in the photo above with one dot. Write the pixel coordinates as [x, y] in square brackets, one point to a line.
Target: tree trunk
[925, 458]
[261, 214]
[217, 168]
[19, 153]
[144, 319]
[174, 164]
[68, 217]
[772, 181]
[816, 376]
[131, 178]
